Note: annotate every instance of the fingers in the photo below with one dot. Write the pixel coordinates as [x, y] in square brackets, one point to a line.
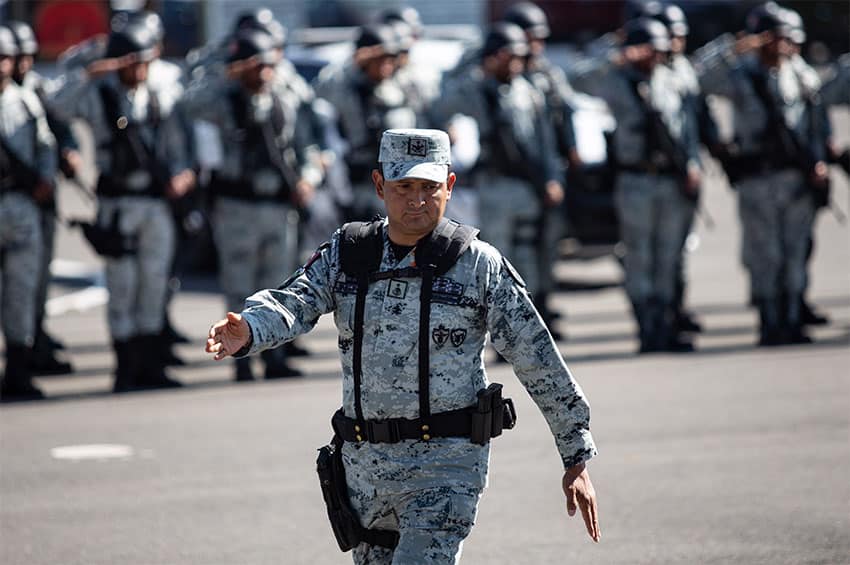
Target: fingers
[588, 512]
[234, 318]
[571, 501]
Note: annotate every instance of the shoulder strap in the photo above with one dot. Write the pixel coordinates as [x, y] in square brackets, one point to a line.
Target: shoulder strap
[360, 251]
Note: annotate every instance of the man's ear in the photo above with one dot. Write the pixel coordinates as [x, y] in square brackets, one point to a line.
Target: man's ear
[450, 182]
[378, 179]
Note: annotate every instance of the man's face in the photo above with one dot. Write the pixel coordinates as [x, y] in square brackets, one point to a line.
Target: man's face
[678, 44]
[414, 206]
[256, 77]
[507, 66]
[380, 68]
[7, 65]
[23, 66]
[133, 74]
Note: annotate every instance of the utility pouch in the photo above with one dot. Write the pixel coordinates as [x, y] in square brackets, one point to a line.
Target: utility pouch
[345, 525]
[491, 415]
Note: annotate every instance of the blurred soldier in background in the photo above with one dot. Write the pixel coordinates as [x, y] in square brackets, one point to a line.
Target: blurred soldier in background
[367, 100]
[776, 162]
[45, 359]
[552, 82]
[706, 131]
[659, 175]
[421, 84]
[162, 73]
[518, 175]
[142, 164]
[264, 174]
[27, 167]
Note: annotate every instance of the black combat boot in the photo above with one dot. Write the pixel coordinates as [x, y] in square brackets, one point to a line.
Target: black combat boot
[167, 355]
[646, 318]
[685, 320]
[794, 330]
[770, 329]
[276, 366]
[667, 334]
[809, 316]
[243, 370]
[126, 366]
[152, 373]
[170, 333]
[293, 349]
[17, 380]
[44, 359]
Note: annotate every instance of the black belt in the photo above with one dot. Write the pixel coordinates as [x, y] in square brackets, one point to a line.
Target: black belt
[647, 169]
[115, 186]
[465, 422]
[242, 189]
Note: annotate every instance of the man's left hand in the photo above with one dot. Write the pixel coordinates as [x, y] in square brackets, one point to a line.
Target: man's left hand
[553, 194]
[580, 494]
[180, 184]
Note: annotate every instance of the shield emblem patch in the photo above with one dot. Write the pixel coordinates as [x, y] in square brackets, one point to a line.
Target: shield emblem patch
[458, 336]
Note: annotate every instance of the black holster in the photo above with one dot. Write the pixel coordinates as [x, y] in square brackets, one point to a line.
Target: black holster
[492, 415]
[345, 524]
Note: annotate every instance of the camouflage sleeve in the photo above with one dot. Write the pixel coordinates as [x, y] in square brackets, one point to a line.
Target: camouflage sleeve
[46, 158]
[519, 334]
[713, 63]
[279, 315]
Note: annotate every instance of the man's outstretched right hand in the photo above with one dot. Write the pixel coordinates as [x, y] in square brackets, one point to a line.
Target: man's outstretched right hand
[228, 336]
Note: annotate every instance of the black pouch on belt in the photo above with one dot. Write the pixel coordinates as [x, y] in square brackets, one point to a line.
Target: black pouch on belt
[346, 527]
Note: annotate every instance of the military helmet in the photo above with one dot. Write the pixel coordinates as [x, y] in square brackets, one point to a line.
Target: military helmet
[505, 35]
[262, 20]
[132, 38]
[249, 43]
[25, 37]
[670, 15]
[768, 17]
[378, 35]
[146, 18]
[8, 45]
[644, 31]
[530, 18]
[404, 35]
[406, 14]
[796, 29]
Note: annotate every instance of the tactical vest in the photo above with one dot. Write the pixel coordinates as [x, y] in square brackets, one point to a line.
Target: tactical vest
[265, 175]
[134, 169]
[360, 252]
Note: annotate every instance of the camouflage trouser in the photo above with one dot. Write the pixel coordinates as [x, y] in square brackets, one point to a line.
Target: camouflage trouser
[777, 215]
[137, 283]
[654, 216]
[48, 232]
[509, 213]
[256, 246]
[20, 255]
[432, 524]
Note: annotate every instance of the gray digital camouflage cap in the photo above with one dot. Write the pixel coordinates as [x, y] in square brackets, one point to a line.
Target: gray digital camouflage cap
[415, 153]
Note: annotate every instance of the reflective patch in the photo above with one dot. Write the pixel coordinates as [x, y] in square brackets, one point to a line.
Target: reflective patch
[513, 272]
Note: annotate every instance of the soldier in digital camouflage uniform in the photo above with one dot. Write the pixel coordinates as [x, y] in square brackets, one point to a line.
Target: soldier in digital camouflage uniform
[776, 162]
[142, 163]
[518, 174]
[264, 175]
[426, 489]
[27, 166]
[45, 360]
[654, 194]
[367, 100]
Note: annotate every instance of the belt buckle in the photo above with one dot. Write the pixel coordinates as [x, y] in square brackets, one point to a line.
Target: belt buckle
[383, 431]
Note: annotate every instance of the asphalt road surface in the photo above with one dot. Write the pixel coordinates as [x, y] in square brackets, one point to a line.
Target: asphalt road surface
[734, 454]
